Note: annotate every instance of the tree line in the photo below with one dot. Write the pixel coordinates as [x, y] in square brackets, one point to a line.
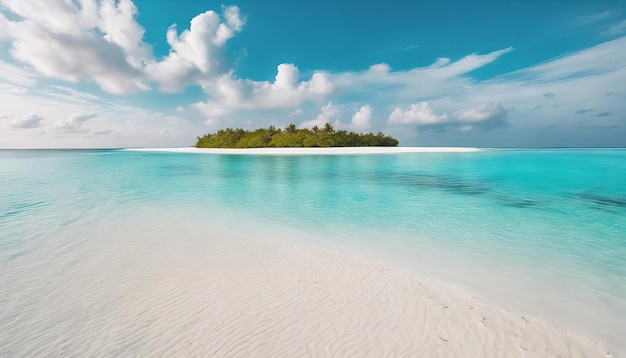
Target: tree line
[290, 136]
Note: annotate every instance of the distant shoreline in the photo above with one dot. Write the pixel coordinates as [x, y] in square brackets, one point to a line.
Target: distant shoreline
[311, 151]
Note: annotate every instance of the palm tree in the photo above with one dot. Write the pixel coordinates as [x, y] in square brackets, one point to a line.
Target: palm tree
[291, 128]
[328, 128]
[272, 129]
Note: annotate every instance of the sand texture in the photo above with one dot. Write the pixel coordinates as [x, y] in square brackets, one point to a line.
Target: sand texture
[219, 293]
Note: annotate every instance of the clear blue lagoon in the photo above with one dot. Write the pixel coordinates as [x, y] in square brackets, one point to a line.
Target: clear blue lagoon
[537, 231]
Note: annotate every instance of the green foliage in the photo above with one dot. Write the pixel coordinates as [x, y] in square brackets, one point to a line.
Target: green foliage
[293, 137]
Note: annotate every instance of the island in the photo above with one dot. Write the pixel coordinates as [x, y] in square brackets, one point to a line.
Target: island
[290, 136]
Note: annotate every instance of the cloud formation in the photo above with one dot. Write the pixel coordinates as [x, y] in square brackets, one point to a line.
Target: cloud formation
[327, 114]
[227, 94]
[197, 54]
[361, 119]
[419, 114]
[74, 123]
[95, 41]
[31, 120]
[484, 117]
[101, 41]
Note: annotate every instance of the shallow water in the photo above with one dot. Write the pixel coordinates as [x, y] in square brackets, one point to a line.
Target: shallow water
[535, 231]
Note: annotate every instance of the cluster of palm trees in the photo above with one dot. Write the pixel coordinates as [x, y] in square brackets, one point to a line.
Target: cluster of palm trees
[290, 136]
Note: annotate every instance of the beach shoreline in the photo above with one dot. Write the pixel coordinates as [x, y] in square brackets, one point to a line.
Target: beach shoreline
[175, 285]
[311, 151]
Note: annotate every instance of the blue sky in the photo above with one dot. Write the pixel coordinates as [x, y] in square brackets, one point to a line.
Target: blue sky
[111, 73]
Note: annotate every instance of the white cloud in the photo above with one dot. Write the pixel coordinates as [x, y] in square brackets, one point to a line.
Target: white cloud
[197, 54]
[69, 94]
[4, 27]
[380, 68]
[484, 117]
[117, 22]
[577, 80]
[296, 112]
[444, 69]
[234, 23]
[228, 94]
[478, 114]
[419, 113]
[31, 120]
[327, 114]
[444, 77]
[442, 61]
[361, 119]
[118, 124]
[599, 59]
[16, 75]
[286, 77]
[74, 123]
[99, 42]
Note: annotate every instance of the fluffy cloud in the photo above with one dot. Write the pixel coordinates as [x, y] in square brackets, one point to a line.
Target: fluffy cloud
[228, 94]
[74, 123]
[328, 112]
[117, 22]
[99, 42]
[361, 119]
[331, 113]
[31, 120]
[483, 117]
[419, 114]
[197, 54]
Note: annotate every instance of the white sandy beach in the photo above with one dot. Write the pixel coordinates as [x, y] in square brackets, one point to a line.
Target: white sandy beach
[221, 293]
[313, 151]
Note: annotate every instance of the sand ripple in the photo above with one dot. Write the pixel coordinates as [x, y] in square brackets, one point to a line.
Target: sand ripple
[221, 294]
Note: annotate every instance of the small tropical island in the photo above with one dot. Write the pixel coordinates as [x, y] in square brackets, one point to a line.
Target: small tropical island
[290, 136]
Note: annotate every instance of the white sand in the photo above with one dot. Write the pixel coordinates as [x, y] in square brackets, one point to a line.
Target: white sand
[313, 151]
[218, 293]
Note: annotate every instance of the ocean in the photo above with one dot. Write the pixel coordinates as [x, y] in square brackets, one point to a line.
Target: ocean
[536, 231]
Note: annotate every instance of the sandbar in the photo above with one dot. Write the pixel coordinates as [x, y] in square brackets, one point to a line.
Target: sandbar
[312, 151]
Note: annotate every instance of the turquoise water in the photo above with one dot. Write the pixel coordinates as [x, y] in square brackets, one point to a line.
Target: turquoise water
[534, 231]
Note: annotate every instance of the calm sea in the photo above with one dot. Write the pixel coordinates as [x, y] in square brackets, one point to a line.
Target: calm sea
[541, 232]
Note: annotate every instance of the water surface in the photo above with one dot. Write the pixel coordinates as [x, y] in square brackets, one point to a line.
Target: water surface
[535, 231]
